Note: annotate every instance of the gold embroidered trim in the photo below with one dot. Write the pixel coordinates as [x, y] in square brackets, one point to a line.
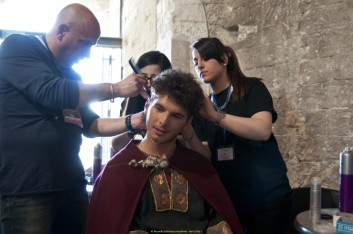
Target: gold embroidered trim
[160, 190]
[180, 201]
[165, 198]
[221, 228]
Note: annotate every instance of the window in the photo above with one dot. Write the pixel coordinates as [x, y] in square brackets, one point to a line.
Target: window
[103, 66]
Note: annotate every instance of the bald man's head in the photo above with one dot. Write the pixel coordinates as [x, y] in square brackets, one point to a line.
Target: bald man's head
[77, 16]
[75, 31]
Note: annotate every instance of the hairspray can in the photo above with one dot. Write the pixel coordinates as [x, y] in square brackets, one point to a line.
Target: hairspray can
[97, 161]
[346, 181]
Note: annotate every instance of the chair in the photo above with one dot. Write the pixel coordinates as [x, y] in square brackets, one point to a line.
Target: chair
[301, 202]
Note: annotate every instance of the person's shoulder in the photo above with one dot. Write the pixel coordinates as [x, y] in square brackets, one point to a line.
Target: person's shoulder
[15, 43]
[255, 83]
[189, 154]
[128, 153]
[189, 161]
[15, 38]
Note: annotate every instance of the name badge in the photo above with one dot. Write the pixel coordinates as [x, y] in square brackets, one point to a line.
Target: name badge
[73, 117]
[225, 153]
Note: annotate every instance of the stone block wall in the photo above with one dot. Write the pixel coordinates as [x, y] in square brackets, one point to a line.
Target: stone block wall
[302, 49]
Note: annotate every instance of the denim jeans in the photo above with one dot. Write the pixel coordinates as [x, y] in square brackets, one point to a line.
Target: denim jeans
[54, 213]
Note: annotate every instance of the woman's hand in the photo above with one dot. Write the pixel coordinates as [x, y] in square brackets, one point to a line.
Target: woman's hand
[138, 120]
[188, 132]
[191, 141]
[207, 111]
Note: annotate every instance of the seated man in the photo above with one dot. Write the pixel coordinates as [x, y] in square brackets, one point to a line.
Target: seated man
[156, 184]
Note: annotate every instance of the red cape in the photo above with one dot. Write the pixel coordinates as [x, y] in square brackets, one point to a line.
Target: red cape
[117, 190]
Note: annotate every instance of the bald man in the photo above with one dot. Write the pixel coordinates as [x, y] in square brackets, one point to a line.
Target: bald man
[43, 113]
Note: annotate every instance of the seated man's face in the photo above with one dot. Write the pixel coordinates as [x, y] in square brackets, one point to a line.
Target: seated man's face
[165, 119]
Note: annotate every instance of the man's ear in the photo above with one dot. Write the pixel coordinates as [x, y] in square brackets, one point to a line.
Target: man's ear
[62, 28]
[147, 105]
[190, 120]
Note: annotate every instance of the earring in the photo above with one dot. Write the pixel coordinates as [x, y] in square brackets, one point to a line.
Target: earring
[224, 64]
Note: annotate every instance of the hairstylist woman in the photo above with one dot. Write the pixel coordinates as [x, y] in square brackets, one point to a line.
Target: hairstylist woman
[237, 123]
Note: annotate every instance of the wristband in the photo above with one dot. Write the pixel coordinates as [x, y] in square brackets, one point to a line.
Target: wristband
[128, 125]
[220, 116]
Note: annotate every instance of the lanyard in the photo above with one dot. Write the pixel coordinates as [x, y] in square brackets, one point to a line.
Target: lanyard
[214, 101]
[224, 106]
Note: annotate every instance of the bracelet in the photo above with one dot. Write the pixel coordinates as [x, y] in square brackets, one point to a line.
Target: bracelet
[220, 116]
[128, 125]
[112, 96]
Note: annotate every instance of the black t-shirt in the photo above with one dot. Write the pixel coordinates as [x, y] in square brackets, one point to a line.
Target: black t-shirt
[256, 178]
[132, 105]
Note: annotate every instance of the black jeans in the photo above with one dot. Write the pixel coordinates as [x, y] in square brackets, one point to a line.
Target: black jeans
[54, 213]
[272, 221]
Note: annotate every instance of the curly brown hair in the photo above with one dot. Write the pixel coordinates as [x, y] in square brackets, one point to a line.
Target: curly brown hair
[182, 87]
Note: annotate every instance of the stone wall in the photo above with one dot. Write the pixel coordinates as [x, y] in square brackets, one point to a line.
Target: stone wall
[303, 50]
[139, 30]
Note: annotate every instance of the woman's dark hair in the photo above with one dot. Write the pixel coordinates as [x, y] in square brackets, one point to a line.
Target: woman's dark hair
[154, 58]
[213, 48]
